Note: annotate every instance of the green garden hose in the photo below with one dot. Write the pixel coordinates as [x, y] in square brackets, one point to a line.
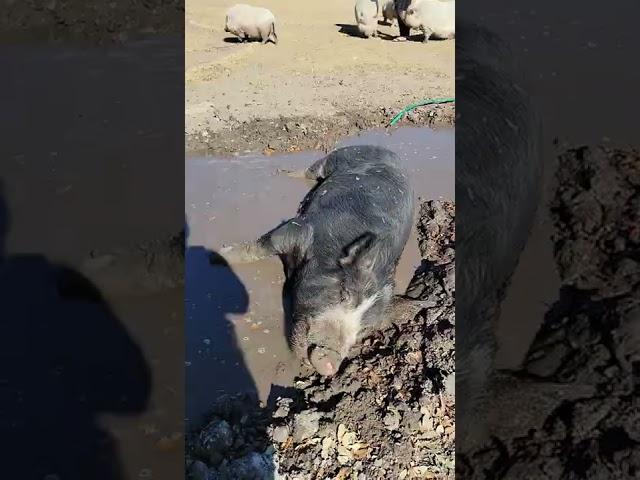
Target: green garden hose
[413, 106]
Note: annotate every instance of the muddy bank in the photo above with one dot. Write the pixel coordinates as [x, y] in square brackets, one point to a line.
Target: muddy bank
[580, 376]
[388, 412]
[307, 133]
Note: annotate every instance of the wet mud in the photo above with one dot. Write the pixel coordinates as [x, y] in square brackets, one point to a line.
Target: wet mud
[580, 375]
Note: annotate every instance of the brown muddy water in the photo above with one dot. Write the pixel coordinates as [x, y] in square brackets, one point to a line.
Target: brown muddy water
[70, 192]
[234, 322]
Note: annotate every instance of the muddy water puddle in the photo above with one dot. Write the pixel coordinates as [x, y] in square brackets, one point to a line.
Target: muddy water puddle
[234, 319]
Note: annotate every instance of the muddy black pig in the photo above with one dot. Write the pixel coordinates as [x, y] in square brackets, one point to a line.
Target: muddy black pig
[341, 251]
[498, 186]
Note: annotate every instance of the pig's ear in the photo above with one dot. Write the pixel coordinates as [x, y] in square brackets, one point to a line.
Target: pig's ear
[360, 253]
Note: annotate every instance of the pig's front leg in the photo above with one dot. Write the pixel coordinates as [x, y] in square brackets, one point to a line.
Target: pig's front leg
[290, 237]
[427, 34]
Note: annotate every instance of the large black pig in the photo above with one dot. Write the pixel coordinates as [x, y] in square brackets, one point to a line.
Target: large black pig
[341, 251]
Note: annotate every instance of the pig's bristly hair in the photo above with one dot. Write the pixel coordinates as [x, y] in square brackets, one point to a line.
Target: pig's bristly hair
[344, 322]
[336, 327]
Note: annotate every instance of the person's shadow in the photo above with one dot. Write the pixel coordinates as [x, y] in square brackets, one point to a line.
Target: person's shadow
[215, 365]
[64, 359]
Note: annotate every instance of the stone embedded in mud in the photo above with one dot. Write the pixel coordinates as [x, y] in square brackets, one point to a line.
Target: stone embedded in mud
[280, 434]
[328, 447]
[254, 466]
[217, 436]
[392, 420]
[450, 384]
[200, 471]
[284, 406]
[306, 424]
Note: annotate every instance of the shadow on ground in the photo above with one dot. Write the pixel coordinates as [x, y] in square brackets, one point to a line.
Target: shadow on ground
[228, 424]
[66, 359]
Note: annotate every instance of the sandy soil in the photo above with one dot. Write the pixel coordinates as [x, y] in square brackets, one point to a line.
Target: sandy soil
[320, 80]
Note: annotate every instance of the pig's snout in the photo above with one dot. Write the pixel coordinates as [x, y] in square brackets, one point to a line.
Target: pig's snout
[324, 360]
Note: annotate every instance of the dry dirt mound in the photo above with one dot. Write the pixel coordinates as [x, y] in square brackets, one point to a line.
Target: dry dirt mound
[388, 413]
[581, 374]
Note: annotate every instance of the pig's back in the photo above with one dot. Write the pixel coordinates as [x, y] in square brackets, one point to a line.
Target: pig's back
[368, 192]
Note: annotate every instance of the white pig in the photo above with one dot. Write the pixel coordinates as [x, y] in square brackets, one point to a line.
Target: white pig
[367, 17]
[435, 18]
[251, 23]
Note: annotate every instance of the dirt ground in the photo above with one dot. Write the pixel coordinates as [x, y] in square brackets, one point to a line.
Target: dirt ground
[390, 411]
[580, 376]
[319, 82]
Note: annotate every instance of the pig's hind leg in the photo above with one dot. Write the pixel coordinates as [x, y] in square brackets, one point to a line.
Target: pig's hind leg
[293, 235]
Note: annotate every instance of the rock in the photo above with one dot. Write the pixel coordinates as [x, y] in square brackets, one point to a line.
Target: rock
[450, 384]
[392, 420]
[280, 434]
[200, 471]
[217, 436]
[284, 405]
[253, 466]
[306, 424]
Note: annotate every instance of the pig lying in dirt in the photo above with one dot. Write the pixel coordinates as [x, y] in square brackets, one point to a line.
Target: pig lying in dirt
[367, 17]
[435, 18]
[340, 252]
[251, 23]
